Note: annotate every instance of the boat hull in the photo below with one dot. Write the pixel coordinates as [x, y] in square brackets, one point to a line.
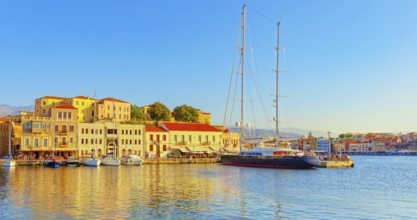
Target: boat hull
[9, 163]
[91, 162]
[110, 162]
[283, 162]
[53, 164]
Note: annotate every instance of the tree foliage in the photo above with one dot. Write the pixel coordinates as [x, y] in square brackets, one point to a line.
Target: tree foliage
[185, 113]
[136, 114]
[159, 112]
[345, 136]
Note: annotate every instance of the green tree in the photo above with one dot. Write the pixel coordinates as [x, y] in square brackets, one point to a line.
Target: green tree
[159, 112]
[136, 114]
[185, 113]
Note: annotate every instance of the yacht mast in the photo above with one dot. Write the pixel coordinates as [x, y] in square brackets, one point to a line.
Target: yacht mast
[276, 89]
[243, 72]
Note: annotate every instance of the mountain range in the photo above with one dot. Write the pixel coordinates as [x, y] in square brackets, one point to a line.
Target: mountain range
[13, 110]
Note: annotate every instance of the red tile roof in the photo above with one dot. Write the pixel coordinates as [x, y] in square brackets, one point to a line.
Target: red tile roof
[189, 127]
[112, 100]
[65, 106]
[154, 129]
[4, 120]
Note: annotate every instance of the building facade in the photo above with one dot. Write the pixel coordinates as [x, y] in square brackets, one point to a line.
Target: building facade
[111, 108]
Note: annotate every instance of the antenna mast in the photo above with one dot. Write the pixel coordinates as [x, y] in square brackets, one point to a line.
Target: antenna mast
[276, 89]
[243, 72]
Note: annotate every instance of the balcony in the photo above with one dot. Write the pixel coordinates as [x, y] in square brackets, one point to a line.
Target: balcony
[63, 145]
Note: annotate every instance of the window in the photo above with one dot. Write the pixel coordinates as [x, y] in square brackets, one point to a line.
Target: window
[86, 141]
[56, 128]
[151, 147]
[123, 141]
[71, 128]
[56, 140]
[123, 132]
[92, 131]
[189, 138]
[136, 142]
[130, 132]
[71, 140]
[59, 114]
[101, 141]
[139, 141]
[64, 128]
[199, 138]
[130, 142]
[82, 141]
[139, 132]
[64, 140]
[45, 142]
[157, 137]
[136, 132]
[164, 148]
[36, 142]
[164, 137]
[182, 138]
[65, 115]
[207, 138]
[151, 137]
[82, 130]
[27, 142]
[175, 138]
[69, 115]
[86, 131]
[214, 139]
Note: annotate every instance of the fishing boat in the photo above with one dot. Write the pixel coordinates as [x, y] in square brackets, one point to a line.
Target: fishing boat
[131, 159]
[273, 156]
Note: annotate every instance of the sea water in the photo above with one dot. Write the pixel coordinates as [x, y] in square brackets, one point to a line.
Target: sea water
[378, 187]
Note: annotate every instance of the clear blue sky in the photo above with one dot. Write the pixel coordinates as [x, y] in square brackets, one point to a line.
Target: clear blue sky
[351, 65]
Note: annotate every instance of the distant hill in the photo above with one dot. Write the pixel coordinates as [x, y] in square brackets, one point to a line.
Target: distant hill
[284, 132]
[266, 133]
[12, 110]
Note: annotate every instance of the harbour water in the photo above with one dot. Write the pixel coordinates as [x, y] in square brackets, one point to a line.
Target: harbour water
[378, 187]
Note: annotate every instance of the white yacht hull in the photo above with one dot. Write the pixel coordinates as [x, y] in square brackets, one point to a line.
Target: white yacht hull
[90, 162]
[131, 160]
[110, 162]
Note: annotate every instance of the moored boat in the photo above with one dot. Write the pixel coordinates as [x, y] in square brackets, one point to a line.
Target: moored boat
[53, 163]
[72, 162]
[131, 159]
[275, 157]
[272, 158]
[110, 160]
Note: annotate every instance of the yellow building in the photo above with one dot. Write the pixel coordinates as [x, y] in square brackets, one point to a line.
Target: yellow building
[192, 137]
[111, 108]
[156, 141]
[42, 136]
[104, 137]
[230, 140]
[85, 106]
[203, 117]
[106, 108]
[44, 105]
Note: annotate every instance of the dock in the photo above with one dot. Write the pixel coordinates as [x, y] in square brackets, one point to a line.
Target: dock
[335, 162]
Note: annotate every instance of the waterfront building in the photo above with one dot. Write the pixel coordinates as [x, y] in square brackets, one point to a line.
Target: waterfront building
[85, 106]
[44, 105]
[111, 108]
[230, 140]
[363, 146]
[193, 137]
[156, 142]
[323, 145]
[378, 145]
[16, 130]
[104, 137]
[41, 136]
